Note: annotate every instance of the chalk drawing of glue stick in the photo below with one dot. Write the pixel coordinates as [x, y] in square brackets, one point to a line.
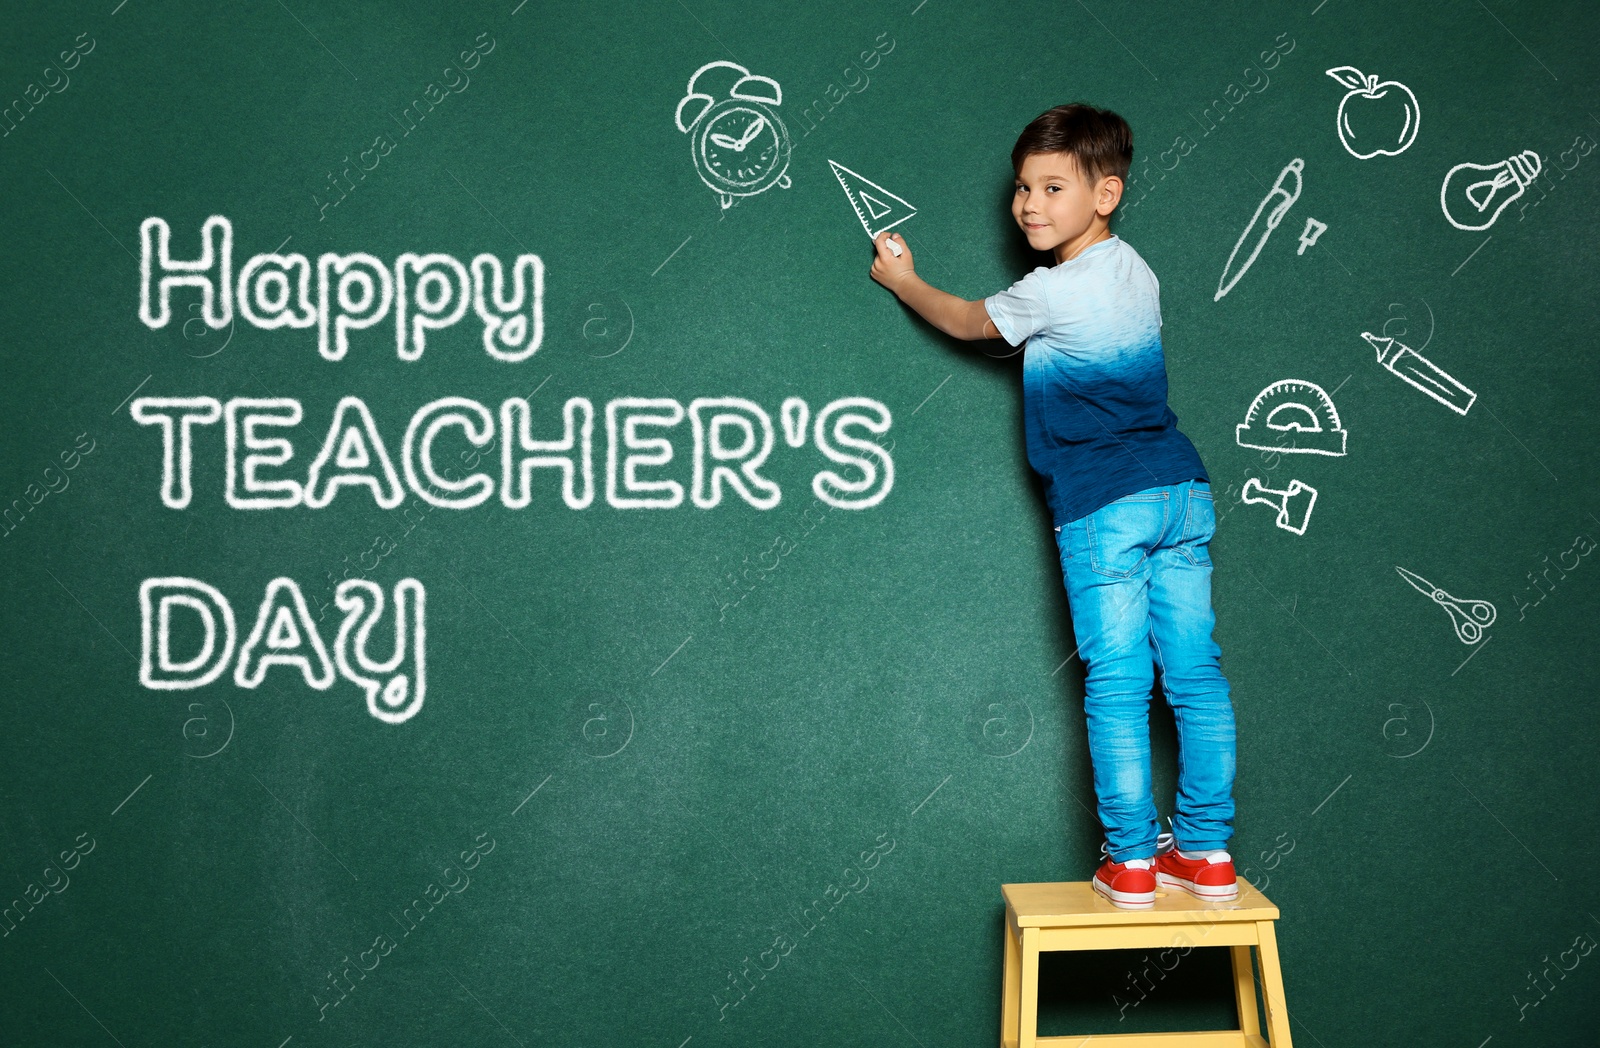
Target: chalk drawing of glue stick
[1422, 373]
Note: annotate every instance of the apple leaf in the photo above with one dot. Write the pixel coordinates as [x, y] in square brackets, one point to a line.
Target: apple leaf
[1350, 77]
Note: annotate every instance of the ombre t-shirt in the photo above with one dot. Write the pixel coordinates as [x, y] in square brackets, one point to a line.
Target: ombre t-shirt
[1094, 381]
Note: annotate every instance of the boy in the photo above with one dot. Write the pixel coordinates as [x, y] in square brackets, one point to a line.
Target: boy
[1130, 498]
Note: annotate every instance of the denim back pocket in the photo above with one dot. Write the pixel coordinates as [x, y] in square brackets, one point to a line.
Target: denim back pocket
[1199, 526]
[1122, 533]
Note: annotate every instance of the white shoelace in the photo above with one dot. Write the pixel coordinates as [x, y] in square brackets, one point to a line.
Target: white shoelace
[1166, 842]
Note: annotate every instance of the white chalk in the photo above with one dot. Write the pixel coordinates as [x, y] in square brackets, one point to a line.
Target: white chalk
[894, 245]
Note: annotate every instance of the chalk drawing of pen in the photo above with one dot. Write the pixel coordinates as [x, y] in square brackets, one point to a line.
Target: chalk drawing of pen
[1422, 373]
[1281, 200]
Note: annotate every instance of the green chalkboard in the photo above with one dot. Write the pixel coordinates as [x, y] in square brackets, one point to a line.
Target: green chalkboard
[723, 670]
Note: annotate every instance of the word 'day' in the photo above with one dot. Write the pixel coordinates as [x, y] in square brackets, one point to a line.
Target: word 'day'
[350, 292]
[285, 634]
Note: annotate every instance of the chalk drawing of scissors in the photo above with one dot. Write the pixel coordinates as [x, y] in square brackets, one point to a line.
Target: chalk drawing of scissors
[1469, 617]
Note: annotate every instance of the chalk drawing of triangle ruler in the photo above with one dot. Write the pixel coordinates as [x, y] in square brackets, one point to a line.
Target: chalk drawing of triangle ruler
[872, 203]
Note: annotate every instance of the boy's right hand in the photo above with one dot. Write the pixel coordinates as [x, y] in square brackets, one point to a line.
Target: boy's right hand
[887, 269]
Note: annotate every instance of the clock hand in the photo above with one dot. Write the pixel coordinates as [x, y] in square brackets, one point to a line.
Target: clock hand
[725, 141]
[751, 132]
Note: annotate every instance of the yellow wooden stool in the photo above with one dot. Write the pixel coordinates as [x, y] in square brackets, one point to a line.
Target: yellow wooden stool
[1072, 916]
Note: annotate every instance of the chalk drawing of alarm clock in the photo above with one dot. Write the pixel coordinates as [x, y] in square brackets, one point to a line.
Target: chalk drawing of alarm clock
[739, 145]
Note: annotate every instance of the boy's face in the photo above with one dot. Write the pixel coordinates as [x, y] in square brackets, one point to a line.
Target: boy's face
[1055, 203]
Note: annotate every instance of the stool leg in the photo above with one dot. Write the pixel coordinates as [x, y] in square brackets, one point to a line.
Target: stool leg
[1272, 986]
[1244, 988]
[1010, 988]
[1028, 1013]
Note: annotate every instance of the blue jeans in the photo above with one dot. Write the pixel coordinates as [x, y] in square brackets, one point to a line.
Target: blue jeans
[1138, 577]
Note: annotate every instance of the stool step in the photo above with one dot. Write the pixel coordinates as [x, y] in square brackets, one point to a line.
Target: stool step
[1075, 904]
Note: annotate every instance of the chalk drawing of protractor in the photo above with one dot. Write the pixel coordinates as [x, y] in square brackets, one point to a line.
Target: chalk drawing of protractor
[1280, 198]
[1299, 409]
[876, 207]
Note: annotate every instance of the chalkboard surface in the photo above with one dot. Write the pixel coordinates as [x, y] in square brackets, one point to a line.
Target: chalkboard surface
[485, 564]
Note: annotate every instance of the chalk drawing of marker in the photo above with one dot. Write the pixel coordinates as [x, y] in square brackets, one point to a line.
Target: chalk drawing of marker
[1421, 373]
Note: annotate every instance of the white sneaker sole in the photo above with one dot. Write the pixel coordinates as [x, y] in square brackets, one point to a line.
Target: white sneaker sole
[1209, 892]
[1126, 900]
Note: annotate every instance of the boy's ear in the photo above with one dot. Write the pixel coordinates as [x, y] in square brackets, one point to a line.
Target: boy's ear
[1109, 196]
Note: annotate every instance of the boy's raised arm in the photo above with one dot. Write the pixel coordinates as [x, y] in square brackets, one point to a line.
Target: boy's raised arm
[954, 316]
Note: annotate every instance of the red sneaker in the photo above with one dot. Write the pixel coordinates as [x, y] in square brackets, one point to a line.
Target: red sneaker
[1128, 885]
[1211, 878]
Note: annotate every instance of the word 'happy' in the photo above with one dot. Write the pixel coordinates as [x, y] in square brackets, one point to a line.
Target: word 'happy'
[353, 454]
[353, 291]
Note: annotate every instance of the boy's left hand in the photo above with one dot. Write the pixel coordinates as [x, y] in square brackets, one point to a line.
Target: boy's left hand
[886, 268]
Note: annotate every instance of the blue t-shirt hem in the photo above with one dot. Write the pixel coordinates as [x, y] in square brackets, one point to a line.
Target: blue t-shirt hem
[1064, 510]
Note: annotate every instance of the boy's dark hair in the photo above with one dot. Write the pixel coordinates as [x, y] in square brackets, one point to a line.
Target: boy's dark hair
[1099, 140]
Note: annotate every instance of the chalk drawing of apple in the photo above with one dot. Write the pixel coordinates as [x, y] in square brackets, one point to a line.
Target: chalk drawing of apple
[1387, 114]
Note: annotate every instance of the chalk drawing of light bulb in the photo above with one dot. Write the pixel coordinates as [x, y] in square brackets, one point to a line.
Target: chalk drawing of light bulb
[1473, 195]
